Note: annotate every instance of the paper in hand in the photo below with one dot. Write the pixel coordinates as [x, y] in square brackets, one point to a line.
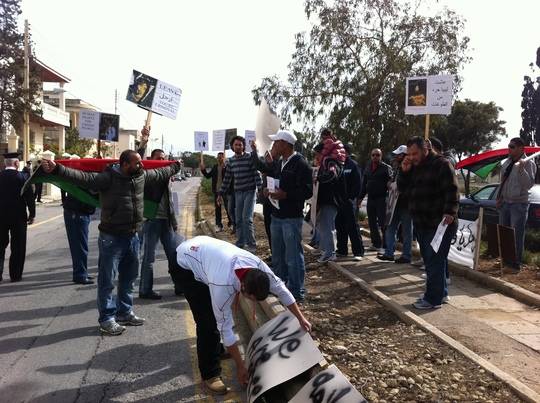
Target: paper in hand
[439, 234]
[272, 184]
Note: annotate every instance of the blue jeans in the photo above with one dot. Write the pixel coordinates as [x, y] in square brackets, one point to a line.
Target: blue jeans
[326, 224]
[515, 215]
[436, 263]
[157, 229]
[77, 235]
[287, 253]
[118, 255]
[401, 216]
[245, 204]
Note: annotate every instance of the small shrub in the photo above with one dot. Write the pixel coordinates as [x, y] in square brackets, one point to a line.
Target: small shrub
[532, 240]
[206, 185]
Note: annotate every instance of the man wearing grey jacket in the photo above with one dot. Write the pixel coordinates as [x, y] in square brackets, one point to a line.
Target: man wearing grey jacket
[513, 197]
[121, 193]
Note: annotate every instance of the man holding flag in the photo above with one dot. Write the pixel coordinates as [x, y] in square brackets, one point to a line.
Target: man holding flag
[121, 192]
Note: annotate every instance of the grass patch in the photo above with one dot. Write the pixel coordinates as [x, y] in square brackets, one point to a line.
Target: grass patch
[206, 186]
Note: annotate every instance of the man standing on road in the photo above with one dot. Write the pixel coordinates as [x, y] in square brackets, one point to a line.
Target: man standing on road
[13, 216]
[346, 218]
[295, 187]
[214, 274]
[160, 228]
[432, 190]
[246, 183]
[513, 196]
[121, 194]
[377, 175]
[217, 173]
[400, 218]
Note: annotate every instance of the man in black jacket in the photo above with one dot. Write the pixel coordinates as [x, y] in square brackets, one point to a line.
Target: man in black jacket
[121, 195]
[13, 216]
[346, 221]
[217, 173]
[377, 175]
[294, 187]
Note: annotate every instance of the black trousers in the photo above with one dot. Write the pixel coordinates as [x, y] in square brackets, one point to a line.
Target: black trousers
[376, 211]
[13, 232]
[217, 208]
[347, 227]
[208, 338]
[39, 190]
[267, 214]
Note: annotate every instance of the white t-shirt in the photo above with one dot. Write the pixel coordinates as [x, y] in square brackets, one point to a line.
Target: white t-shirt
[213, 262]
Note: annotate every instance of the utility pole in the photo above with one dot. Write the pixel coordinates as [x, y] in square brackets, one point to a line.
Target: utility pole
[26, 86]
[115, 101]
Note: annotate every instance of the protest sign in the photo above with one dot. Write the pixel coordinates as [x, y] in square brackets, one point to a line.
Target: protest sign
[267, 123]
[393, 195]
[229, 134]
[463, 245]
[97, 125]
[429, 95]
[154, 95]
[201, 141]
[249, 135]
[278, 351]
[218, 140]
[329, 385]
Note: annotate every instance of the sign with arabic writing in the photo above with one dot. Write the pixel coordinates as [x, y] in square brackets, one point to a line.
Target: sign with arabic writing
[154, 95]
[429, 95]
[464, 243]
[278, 351]
[329, 385]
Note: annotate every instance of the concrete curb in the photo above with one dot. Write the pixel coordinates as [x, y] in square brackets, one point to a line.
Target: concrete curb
[408, 317]
[496, 284]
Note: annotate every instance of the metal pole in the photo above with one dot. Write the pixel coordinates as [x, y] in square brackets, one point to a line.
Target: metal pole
[26, 87]
[426, 133]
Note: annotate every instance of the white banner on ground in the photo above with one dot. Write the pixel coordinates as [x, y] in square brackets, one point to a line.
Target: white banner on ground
[249, 135]
[218, 140]
[201, 141]
[267, 123]
[464, 244]
[429, 95]
[278, 351]
[329, 385]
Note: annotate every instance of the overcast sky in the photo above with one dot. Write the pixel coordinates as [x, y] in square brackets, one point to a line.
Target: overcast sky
[217, 51]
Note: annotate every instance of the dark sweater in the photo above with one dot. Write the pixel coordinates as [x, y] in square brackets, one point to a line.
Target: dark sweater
[295, 179]
[353, 178]
[71, 203]
[12, 205]
[214, 175]
[432, 190]
[375, 183]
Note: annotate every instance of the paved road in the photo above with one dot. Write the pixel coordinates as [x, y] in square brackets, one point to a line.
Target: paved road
[50, 347]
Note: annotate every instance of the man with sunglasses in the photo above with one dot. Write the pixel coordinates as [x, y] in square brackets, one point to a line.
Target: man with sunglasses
[377, 175]
[513, 195]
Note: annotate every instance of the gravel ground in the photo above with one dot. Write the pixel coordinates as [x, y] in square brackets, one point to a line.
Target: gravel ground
[385, 359]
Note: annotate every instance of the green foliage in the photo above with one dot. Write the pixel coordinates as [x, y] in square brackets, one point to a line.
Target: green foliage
[76, 145]
[206, 186]
[194, 160]
[350, 69]
[14, 100]
[532, 240]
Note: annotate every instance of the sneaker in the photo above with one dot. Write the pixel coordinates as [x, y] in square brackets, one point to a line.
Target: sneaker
[324, 259]
[423, 275]
[423, 304]
[217, 228]
[386, 258]
[402, 260]
[85, 281]
[216, 385]
[373, 249]
[150, 295]
[130, 320]
[358, 257]
[445, 300]
[111, 328]
[341, 255]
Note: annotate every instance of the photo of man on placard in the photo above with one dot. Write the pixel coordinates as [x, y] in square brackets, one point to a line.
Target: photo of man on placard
[229, 134]
[109, 127]
[417, 94]
[141, 89]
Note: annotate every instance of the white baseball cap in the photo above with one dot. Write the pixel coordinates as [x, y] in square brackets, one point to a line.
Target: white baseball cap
[284, 135]
[402, 149]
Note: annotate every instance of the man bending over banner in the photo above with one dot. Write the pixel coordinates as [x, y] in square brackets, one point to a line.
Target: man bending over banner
[214, 273]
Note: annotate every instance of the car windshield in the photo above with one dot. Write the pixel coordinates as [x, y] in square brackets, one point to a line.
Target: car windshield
[484, 193]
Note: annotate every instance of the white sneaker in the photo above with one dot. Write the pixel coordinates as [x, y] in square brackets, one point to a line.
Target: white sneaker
[358, 257]
[423, 275]
[445, 300]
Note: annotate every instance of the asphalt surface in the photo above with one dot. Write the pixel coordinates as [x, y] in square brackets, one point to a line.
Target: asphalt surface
[50, 346]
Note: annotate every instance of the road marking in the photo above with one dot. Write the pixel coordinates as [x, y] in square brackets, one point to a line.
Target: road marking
[46, 221]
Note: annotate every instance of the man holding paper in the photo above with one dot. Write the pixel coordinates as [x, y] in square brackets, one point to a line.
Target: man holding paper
[429, 182]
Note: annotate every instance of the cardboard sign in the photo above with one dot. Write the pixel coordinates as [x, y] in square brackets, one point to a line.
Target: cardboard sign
[201, 141]
[218, 140]
[154, 95]
[429, 95]
[249, 135]
[329, 385]
[97, 125]
[278, 351]
[393, 196]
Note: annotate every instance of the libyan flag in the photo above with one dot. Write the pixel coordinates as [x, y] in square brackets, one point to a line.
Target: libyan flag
[92, 165]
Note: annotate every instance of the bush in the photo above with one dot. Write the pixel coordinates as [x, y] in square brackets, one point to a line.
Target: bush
[206, 186]
[532, 240]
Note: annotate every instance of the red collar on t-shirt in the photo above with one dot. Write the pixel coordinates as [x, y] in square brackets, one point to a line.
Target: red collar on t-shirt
[374, 166]
[241, 273]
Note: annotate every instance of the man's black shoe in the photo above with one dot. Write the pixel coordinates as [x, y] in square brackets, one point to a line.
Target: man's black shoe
[15, 280]
[84, 282]
[150, 295]
[90, 277]
[386, 258]
[402, 260]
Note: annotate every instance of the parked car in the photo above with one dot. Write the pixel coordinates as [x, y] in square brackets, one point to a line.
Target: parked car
[188, 174]
[486, 197]
[178, 177]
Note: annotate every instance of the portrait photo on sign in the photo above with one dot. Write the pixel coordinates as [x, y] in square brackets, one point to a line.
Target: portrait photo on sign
[417, 92]
[229, 134]
[109, 125]
[141, 89]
